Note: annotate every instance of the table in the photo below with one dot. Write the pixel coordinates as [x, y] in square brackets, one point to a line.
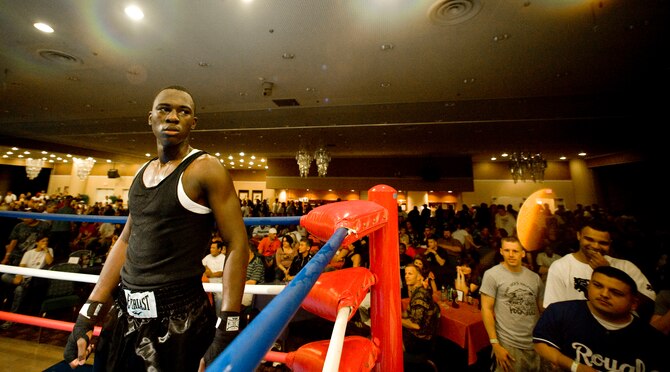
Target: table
[463, 326]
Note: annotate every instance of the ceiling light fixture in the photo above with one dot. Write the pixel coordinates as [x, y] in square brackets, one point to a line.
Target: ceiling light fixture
[304, 159]
[133, 12]
[84, 167]
[322, 159]
[33, 167]
[525, 166]
[43, 27]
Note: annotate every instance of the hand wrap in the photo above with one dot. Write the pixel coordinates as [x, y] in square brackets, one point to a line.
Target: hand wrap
[227, 328]
[86, 321]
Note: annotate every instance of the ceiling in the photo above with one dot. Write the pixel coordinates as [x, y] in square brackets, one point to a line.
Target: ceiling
[367, 78]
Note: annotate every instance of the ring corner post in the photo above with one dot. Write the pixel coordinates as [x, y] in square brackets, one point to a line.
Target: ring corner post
[385, 294]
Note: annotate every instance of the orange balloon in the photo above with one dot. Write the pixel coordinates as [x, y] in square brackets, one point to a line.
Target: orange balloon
[530, 223]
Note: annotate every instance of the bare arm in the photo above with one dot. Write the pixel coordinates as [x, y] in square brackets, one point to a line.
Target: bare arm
[503, 358]
[661, 322]
[356, 260]
[8, 250]
[488, 316]
[440, 261]
[48, 258]
[554, 356]
[215, 189]
[407, 323]
[460, 283]
[451, 247]
[278, 261]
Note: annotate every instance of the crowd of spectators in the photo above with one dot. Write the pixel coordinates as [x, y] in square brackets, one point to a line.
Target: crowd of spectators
[445, 247]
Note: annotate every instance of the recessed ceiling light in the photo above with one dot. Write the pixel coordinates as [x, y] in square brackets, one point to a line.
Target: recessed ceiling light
[43, 27]
[387, 46]
[134, 12]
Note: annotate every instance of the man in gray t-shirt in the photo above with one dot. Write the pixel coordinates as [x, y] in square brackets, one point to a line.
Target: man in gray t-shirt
[510, 297]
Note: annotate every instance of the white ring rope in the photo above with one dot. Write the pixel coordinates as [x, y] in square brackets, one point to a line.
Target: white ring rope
[259, 289]
[332, 362]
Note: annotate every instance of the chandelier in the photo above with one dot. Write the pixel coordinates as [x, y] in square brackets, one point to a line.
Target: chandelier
[33, 167]
[322, 159]
[304, 159]
[84, 167]
[524, 166]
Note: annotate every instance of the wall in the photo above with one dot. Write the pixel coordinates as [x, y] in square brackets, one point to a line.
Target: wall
[502, 189]
[491, 180]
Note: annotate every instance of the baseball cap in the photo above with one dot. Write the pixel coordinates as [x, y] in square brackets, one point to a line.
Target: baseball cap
[272, 230]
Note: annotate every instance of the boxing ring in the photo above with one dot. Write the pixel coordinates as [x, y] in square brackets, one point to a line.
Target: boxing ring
[334, 296]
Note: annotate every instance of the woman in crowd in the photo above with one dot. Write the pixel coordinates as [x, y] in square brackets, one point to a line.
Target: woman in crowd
[284, 257]
[428, 276]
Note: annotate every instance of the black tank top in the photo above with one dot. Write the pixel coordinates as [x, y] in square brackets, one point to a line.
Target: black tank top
[167, 241]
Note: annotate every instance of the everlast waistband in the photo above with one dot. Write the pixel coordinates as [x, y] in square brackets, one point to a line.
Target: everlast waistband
[176, 297]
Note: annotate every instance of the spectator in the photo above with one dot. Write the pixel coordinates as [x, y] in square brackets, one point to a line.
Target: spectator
[505, 220]
[61, 231]
[428, 276]
[10, 197]
[437, 259]
[661, 318]
[544, 260]
[569, 276]
[36, 258]
[353, 257]
[213, 264]
[284, 258]
[451, 246]
[23, 237]
[510, 300]
[404, 260]
[267, 248]
[601, 333]
[301, 259]
[420, 320]
[255, 275]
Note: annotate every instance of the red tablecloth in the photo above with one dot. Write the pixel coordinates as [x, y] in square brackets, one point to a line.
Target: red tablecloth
[463, 326]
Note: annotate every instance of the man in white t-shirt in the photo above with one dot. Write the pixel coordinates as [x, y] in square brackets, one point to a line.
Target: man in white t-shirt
[36, 258]
[213, 263]
[505, 220]
[569, 276]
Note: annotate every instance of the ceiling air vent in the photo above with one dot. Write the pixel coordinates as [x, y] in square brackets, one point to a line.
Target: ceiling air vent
[288, 102]
[58, 56]
[452, 12]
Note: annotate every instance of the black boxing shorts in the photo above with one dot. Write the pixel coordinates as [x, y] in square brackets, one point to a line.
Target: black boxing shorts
[165, 329]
